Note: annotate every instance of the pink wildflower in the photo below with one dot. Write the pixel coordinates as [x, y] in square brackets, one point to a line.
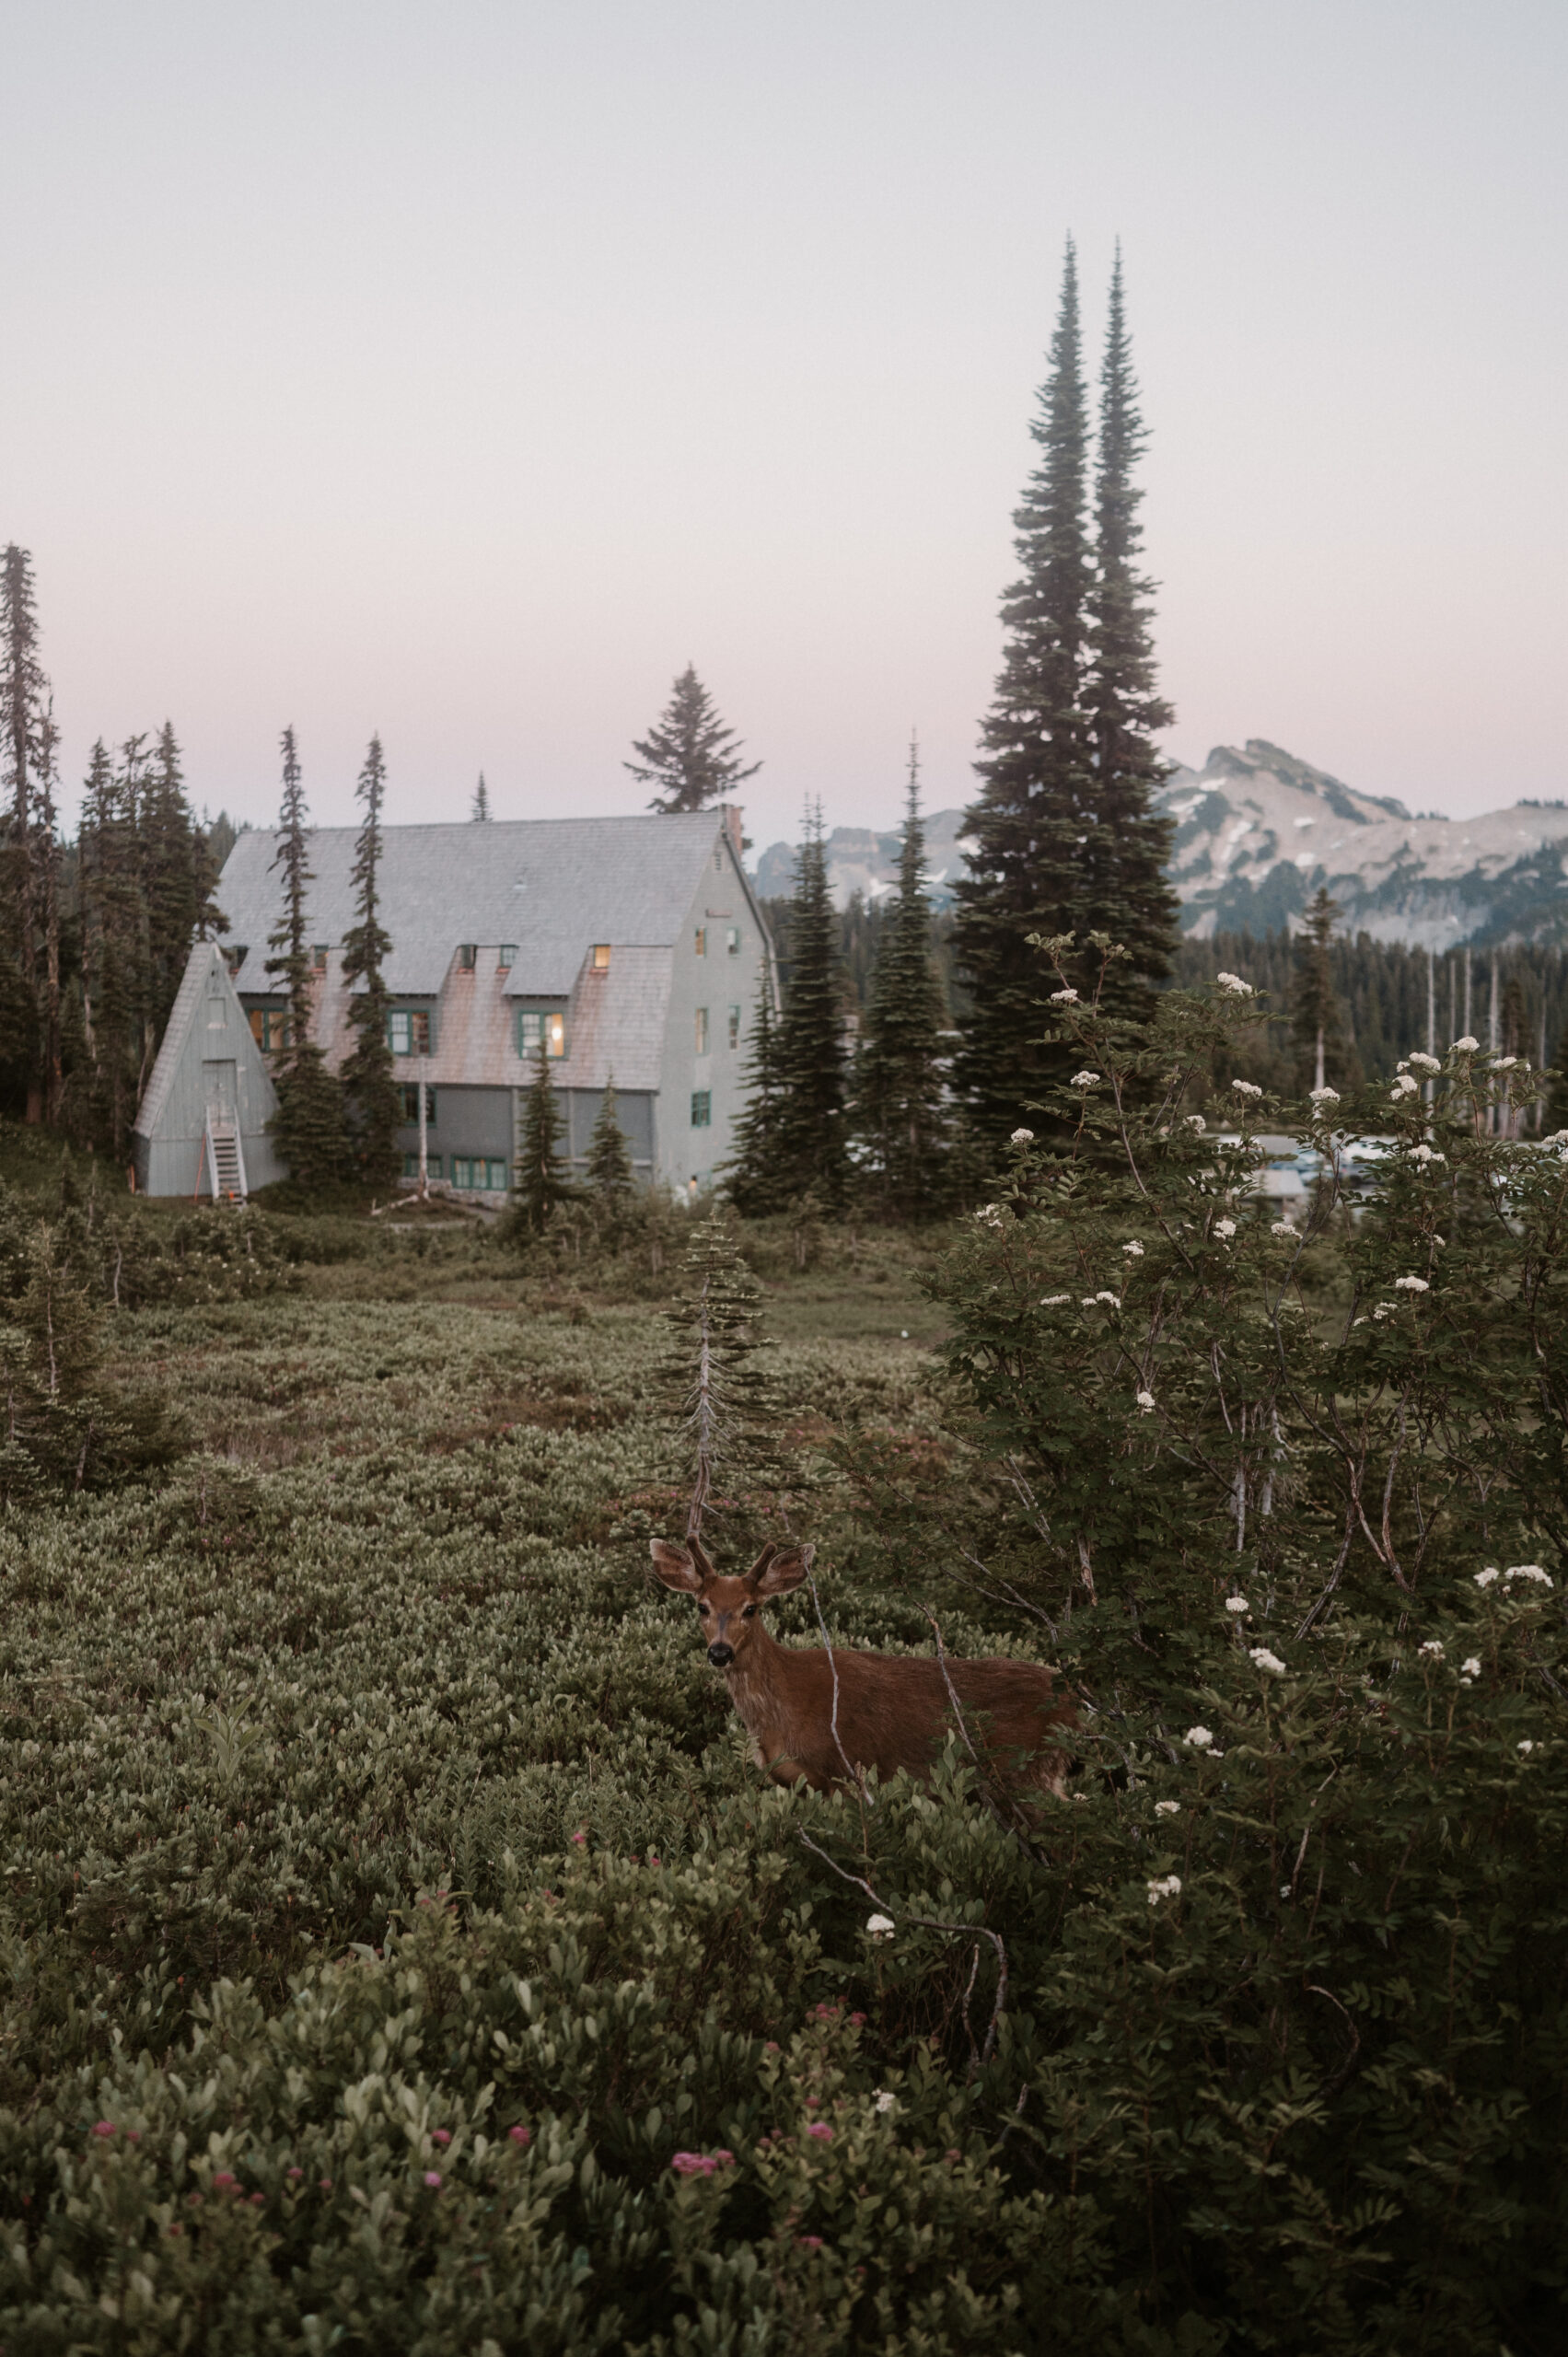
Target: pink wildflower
[519, 2135]
[433, 2179]
[809, 2242]
[258, 2200]
[440, 2136]
[296, 2174]
[104, 2128]
[226, 2178]
[821, 2129]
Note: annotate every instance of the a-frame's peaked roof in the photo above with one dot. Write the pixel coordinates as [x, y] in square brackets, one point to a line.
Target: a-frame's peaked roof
[550, 886]
[205, 968]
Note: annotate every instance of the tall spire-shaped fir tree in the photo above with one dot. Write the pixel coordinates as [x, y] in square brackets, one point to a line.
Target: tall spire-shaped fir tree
[308, 1124]
[813, 1152]
[900, 1110]
[753, 1178]
[1037, 804]
[373, 1103]
[688, 754]
[1125, 889]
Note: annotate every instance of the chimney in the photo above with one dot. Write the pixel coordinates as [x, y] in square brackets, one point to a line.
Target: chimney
[730, 813]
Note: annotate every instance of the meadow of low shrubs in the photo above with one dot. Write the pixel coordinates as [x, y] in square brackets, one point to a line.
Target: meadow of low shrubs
[400, 1951]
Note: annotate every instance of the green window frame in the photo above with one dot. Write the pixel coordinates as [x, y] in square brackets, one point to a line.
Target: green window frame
[409, 1091]
[535, 1023]
[732, 941]
[701, 1109]
[409, 1030]
[432, 1165]
[735, 1027]
[702, 1031]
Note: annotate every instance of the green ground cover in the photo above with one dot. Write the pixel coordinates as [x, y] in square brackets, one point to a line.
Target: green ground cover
[398, 1950]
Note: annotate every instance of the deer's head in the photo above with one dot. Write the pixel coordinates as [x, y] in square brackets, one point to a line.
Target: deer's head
[729, 1610]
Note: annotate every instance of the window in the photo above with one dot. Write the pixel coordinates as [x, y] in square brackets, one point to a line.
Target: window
[477, 1173]
[506, 956]
[268, 1028]
[718, 855]
[408, 1031]
[732, 940]
[468, 956]
[432, 1165]
[735, 1027]
[701, 1107]
[702, 942]
[234, 957]
[318, 957]
[534, 1025]
[701, 1031]
[409, 1097]
[217, 1011]
[601, 958]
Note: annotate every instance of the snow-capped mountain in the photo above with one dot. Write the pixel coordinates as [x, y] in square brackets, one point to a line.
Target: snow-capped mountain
[1257, 831]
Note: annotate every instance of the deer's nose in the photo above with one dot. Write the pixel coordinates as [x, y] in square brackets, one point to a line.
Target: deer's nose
[721, 1656]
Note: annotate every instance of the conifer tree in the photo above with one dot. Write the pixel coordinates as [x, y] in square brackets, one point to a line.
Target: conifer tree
[612, 1182]
[753, 1179]
[900, 1110]
[715, 1377]
[541, 1181]
[308, 1126]
[1037, 804]
[46, 850]
[1125, 890]
[812, 1144]
[24, 693]
[1315, 1010]
[180, 879]
[114, 965]
[481, 809]
[689, 756]
[373, 1103]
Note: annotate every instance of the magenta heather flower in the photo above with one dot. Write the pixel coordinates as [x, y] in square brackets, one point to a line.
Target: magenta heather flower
[440, 2136]
[297, 2173]
[809, 2242]
[520, 2135]
[433, 2179]
[226, 2179]
[821, 2129]
[103, 2128]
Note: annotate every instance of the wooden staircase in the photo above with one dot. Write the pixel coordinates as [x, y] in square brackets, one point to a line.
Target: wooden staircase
[226, 1156]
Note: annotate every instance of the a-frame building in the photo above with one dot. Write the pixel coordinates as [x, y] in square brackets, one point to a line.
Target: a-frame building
[202, 1126]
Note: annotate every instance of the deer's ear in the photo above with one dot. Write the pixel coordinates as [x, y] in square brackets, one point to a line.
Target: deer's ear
[777, 1570]
[674, 1566]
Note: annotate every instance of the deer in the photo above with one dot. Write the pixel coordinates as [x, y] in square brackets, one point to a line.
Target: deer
[823, 1715]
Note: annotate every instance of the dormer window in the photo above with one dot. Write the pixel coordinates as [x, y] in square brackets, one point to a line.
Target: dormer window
[234, 957]
[506, 956]
[318, 957]
[701, 943]
[535, 1024]
[468, 956]
[599, 958]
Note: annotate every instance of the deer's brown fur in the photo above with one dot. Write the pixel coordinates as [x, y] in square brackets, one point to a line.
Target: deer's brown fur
[894, 1711]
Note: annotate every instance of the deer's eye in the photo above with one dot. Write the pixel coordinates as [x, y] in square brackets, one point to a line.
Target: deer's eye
[701, 1608]
[750, 1612]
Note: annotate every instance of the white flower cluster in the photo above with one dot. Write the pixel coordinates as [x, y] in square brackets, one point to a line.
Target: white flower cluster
[1164, 1886]
[1404, 1086]
[1196, 1123]
[1411, 1284]
[990, 1214]
[880, 1927]
[1084, 1079]
[1526, 1748]
[1245, 1089]
[1054, 1300]
[1503, 1064]
[1424, 1063]
[1266, 1660]
[1384, 1309]
[1232, 986]
[1145, 1403]
[1324, 1095]
[1167, 1808]
[1424, 1155]
[1282, 1228]
[1111, 1300]
[1430, 1651]
[1022, 1137]
[1514, 1572]
[1224, 1229]
[1466, 1046]
[1201, 1739]
[1469, 1670]
[1133, 1249]
[1237, 1604]
[884, 2100]
[1064, 998]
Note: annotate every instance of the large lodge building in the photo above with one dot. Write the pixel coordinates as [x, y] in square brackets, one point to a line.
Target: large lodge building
[634, 947]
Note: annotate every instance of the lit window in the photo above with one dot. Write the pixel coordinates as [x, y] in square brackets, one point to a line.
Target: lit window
[268, 1028]
[432, 1166]
[506, 956]
[601, 958]
[701, 1031]
[701, 1107]
[732, 940]
[735, 1027]
[468, 956]
[408, 1031]
[702, 943]
[534, 1026]
[318, 957]
[410, 1104]
[462, 1171]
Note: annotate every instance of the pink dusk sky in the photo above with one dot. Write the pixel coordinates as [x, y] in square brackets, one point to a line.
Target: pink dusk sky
[462, 371]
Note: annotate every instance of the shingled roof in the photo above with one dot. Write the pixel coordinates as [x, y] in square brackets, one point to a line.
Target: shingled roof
[551, 886]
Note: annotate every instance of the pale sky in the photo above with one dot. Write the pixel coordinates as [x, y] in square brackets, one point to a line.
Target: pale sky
[463, 371]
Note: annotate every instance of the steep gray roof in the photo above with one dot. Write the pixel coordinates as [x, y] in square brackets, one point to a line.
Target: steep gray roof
[553, 886]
